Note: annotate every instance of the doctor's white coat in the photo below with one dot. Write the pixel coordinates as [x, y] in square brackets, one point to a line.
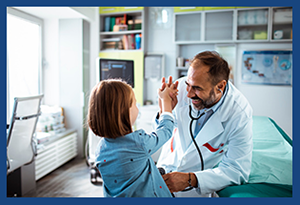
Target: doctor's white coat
[225, 142]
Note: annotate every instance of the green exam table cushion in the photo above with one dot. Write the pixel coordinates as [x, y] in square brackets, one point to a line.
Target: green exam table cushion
[271, 171]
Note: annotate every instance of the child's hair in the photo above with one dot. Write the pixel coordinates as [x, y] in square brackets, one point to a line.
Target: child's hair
[108, 114]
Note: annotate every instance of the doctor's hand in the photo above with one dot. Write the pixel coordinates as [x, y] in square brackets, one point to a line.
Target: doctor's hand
[173, 96]
[178, 181]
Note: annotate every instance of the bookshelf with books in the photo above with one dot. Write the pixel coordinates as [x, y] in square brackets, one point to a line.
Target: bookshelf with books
[121, 28]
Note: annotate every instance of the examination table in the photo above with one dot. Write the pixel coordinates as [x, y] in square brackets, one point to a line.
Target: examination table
[271, 171]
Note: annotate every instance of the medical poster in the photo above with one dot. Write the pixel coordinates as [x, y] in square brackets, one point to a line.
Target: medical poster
[267, 67]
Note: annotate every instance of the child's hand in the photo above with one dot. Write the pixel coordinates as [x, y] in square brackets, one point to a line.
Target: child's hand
[167, 92]
[165, 96]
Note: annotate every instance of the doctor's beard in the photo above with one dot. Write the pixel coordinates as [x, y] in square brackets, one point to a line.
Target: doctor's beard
[205, 103]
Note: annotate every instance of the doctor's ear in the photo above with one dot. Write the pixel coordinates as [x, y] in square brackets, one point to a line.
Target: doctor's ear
[221, 85]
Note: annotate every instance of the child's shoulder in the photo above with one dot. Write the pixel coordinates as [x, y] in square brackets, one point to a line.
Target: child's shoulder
[138, 132]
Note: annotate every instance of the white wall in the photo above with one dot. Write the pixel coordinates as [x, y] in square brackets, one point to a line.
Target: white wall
[271, 101]
[159, 39]
[71, 76]
[94, 46]
[51, 86]
[56, 72]
[51, 63]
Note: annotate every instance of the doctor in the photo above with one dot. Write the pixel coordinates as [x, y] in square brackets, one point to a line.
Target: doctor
[211, 147]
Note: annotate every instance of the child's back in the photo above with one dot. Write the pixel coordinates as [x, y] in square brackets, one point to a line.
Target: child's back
[123, 157]
[126, 165]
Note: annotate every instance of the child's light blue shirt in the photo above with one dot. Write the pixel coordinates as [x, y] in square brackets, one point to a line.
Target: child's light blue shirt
[126, 166]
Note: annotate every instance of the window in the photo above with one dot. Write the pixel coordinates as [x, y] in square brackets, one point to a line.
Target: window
[24, 57]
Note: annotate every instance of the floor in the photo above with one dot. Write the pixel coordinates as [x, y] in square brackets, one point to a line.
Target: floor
[70, 180]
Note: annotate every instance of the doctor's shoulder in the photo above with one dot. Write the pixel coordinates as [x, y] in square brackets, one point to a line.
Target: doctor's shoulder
[241, 103]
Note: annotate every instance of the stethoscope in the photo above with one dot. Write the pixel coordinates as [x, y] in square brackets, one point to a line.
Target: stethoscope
[191, 131]
[193, 139]
[192, 136]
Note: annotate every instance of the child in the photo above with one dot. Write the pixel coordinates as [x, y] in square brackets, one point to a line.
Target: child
[123, 157]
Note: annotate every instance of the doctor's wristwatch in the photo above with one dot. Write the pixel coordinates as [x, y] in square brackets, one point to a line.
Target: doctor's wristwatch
[189, 181]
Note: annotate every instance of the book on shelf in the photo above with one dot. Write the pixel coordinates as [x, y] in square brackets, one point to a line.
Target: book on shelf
[107, 24]
[113, 45]
[131, 41]
[120, 28]
[126, 23]
[125, 42]
[116, 22]
[135, 24]
[112, 23]
[125, 19]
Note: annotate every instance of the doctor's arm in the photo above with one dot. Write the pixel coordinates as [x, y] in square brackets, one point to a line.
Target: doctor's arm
[234, 167]
[178, 181]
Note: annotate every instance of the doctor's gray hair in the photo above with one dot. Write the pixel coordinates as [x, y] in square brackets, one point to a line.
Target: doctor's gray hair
[218, 67]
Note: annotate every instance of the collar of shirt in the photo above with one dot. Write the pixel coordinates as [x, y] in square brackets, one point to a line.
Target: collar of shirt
[208, 113]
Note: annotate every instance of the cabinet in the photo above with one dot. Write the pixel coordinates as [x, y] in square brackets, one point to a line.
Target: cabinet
[184, 30]
[252, 24]
[228, 25]
[208, 26]
[282, 24]
[233, 25]
[216, 22]
[54, 153]
[135, 26]
[121, 28]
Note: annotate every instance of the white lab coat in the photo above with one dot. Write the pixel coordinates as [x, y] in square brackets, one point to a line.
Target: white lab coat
[225, 142]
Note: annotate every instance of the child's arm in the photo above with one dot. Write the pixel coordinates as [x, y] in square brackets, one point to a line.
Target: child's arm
[174, 97]
[166, 100]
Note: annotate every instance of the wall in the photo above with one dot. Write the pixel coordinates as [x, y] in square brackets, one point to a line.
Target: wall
[51, 63]
[94, 46]
[272, 101]
[53, 76]
[159, 39]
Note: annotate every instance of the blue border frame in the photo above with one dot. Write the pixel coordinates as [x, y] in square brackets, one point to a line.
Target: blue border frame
[293, 3]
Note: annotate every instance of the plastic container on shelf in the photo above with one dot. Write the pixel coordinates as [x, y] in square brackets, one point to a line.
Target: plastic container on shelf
[138, 41]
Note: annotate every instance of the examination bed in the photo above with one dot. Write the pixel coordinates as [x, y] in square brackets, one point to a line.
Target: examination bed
[271, 171]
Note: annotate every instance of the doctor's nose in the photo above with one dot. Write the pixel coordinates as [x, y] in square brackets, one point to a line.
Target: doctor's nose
[191, 92]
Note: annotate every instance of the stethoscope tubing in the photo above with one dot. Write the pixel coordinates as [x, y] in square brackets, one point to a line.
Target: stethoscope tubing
[191, 134]
[194, 141]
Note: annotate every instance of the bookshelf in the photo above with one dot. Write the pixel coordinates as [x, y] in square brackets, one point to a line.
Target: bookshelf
[121, 29]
